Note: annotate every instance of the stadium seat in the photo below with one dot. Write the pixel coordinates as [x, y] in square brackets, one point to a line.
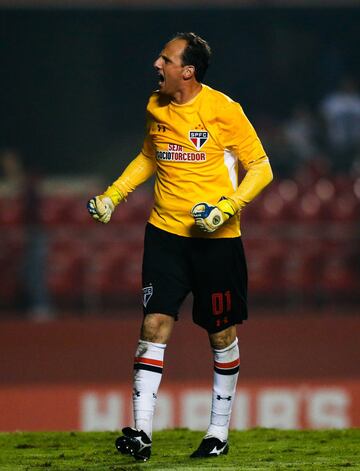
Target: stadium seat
[54, 210]
[265, 267]
[11, 212]
[66, 270]
[114, 274]
[302, 271]
[12, 266]
[79, 216]
[309, 208]
[272, 208]
[345, 208]
[252, 213]
[341, 276]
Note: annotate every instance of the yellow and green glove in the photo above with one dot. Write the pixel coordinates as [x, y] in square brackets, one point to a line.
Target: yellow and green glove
[208, 217]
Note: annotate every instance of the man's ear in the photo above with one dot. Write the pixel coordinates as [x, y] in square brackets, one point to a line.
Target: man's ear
[189, 72]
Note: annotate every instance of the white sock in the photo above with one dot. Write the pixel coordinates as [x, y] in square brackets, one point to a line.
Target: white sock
[226, 372]
[148, 366]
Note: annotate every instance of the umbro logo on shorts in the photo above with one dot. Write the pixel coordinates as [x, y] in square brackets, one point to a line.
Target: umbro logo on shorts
[147, 293]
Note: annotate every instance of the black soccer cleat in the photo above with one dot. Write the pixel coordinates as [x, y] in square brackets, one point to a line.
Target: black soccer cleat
[135, 443]
[209, 447]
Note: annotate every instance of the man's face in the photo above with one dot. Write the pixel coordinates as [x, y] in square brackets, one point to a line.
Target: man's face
[169, 67]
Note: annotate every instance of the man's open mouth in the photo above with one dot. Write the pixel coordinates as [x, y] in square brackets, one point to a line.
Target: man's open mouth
[161, 77]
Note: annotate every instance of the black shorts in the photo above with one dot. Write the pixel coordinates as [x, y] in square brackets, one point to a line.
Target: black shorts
[214, 270]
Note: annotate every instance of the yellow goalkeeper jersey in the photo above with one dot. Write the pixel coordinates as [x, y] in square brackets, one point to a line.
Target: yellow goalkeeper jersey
[194, 149]
[197, 147]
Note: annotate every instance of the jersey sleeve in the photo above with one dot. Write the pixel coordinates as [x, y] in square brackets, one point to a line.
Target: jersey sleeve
[137, 172]
[239, 136]
[148, 146]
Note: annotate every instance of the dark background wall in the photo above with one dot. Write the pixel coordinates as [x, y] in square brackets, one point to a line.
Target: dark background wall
[74, 83]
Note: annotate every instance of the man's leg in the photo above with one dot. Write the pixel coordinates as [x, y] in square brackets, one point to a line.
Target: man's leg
[155, 333]
[226, 371]
[148, 366]
[165, 281]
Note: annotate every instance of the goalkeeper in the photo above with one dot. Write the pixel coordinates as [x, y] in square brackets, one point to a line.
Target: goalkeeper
[195, 139]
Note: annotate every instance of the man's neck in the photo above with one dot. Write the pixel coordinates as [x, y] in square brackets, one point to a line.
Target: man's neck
[189, 93]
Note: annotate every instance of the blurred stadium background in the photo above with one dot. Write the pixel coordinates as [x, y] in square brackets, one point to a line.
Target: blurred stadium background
[75, 78]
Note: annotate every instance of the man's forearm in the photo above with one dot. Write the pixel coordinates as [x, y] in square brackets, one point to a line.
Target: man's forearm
[258, 176]
[137, 172]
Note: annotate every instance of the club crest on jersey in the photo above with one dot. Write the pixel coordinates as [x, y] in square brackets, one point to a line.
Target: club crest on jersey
[147, 293]
[198, 138]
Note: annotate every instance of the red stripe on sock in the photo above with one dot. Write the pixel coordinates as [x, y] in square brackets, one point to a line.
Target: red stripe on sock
[231, 364]
[149, 361]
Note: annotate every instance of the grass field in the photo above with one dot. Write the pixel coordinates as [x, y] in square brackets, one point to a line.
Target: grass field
[257, 449]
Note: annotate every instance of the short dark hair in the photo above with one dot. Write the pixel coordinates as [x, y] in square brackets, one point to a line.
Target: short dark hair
[196, 53]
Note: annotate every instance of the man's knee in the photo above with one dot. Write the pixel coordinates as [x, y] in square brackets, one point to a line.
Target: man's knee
[157, 328]
[223, 339]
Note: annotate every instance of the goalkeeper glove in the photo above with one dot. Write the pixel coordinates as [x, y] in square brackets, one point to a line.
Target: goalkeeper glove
[101, 208]
[208, 218]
